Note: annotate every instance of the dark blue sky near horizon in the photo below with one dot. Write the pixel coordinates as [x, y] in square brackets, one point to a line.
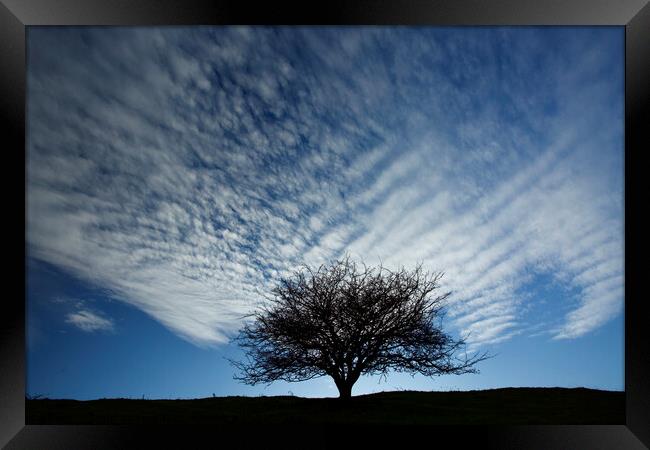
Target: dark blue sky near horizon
[174, 173]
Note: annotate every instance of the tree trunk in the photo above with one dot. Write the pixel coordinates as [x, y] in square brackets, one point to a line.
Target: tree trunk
[345, 390]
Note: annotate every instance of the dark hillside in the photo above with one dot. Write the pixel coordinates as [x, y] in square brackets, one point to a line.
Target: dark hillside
[497, 406]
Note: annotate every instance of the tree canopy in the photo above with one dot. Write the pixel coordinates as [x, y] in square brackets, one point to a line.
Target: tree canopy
[344, 320]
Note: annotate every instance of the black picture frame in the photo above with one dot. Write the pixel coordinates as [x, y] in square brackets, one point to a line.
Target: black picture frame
[16, 15]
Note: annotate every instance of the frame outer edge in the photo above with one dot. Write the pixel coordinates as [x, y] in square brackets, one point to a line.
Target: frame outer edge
[637, 118]
[12, 317]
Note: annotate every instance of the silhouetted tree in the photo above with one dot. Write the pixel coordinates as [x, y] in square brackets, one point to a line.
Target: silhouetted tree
[344, 321]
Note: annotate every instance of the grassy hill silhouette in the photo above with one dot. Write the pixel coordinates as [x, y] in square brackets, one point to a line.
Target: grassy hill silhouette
[523, 406]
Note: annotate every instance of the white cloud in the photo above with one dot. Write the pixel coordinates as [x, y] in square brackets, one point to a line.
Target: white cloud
[184, 182]
[89, 321]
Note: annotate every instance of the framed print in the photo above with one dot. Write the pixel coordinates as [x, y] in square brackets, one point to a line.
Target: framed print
[352, 216]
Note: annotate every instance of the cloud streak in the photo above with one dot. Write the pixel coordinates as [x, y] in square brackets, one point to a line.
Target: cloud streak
[186, 169]
[88, 321]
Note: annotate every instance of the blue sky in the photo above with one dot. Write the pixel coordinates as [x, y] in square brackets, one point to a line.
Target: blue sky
[174, 173]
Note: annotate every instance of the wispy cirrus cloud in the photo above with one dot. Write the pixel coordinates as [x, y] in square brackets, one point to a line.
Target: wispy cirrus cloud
[186, 169]
[89, 321]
